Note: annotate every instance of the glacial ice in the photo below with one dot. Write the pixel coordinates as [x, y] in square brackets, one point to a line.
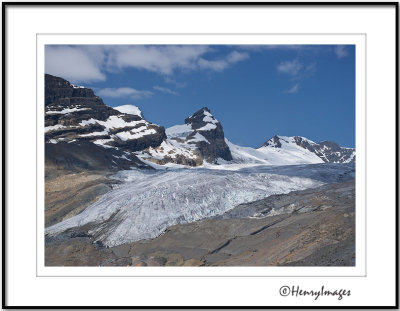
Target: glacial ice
[147, 203]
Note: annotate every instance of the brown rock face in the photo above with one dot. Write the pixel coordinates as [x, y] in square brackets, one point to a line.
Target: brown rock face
[68, 194]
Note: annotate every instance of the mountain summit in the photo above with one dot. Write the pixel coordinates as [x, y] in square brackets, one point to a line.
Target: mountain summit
[202, 122]
[289, 150]
[200, 139]
[328, 151]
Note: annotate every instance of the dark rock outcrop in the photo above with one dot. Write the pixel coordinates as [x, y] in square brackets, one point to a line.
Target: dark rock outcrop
[215, 147]
[273, 142]
[332, 153]
[81, 132]
[60, 95]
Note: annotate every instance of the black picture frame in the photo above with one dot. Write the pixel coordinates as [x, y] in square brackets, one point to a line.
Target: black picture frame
[6, 172]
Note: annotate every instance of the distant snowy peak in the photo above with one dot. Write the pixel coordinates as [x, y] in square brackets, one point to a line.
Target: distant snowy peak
[276, 152]
[331, 152]
[273, 142]
[279, 141]
[327, 151]
[129, 109]
[202, 120]
[200, 139]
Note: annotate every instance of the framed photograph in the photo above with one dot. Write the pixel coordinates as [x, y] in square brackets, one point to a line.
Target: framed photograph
[200, 155]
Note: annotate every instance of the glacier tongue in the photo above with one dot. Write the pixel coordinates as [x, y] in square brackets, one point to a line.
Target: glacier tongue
[149, 202]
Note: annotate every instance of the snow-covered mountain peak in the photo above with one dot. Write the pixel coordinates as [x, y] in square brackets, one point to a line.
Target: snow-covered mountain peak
[277, 141]
[202, 120]
[209, 118]
[203, 111]
[200, 139]
[273, 142]
[327, 151]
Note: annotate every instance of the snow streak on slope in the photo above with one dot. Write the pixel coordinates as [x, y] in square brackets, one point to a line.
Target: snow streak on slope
[151, 202]
[130, 109]
[288, 154]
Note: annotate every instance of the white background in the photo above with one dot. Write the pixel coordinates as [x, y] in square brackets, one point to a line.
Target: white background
[376, 288]
[358, 40]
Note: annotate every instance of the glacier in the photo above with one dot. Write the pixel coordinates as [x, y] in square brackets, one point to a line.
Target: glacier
[146, 203]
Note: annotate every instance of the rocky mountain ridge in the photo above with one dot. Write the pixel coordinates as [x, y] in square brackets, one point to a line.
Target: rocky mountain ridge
[201, 139]
[82, 132]
[328, 151]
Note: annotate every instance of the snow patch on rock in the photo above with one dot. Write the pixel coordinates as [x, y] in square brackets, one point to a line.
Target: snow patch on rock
[129, 109]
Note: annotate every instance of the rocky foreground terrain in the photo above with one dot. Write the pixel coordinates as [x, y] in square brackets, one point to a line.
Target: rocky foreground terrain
[314, 227]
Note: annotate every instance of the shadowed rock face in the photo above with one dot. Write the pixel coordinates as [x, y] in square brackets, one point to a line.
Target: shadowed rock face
[215, 147]
[82, 132]
[196, 120]
[314, 227]
[86, 156]
[60, 94]
[59, 91]
[273, 142]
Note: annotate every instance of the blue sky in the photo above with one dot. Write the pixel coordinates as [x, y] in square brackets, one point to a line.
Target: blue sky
[254, 91]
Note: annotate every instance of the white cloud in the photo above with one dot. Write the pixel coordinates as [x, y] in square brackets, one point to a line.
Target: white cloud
[297, 72]
[341, 51]
[159, 59]
[91, 63]
[74, 64]
[236, 56]
[311, 68]
[222, 64]
[216, 65]
[165, 90]
[175, 83]
[290, 67]
[294, 89]
[124, 92]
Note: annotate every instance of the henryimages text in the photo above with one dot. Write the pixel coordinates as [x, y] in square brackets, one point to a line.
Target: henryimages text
[296, 291]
